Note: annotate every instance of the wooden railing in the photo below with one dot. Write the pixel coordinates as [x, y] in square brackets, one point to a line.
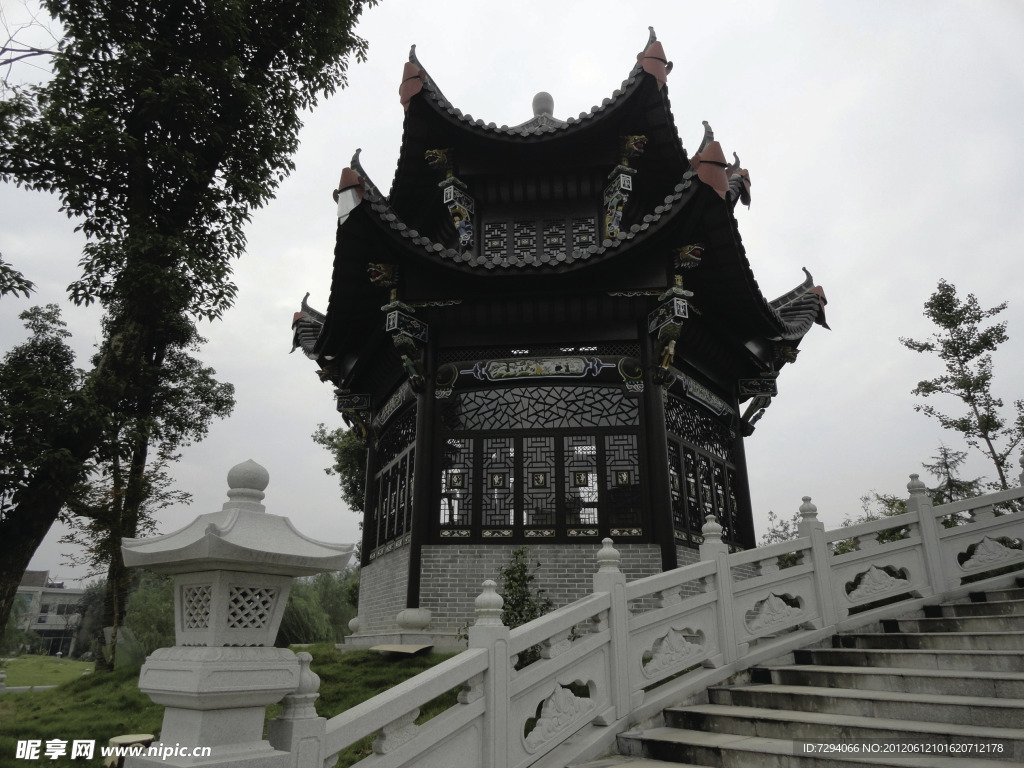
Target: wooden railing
[619, 656]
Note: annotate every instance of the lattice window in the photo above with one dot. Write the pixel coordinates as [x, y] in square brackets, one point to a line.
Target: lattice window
[456, 482]
[622, 480]
[541, 462]
[398, 435]
[580, 456]
[540, 495]
[250, 607]
[693, 425]
[498, 497]
[195, 606]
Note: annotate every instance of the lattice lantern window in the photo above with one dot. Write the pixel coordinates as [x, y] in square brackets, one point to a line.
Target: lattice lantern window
[229, 608]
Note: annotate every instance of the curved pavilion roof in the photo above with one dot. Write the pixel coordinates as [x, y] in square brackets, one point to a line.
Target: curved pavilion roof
[673, 196]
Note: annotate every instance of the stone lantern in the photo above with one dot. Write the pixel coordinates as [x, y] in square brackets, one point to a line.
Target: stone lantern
[232, 572]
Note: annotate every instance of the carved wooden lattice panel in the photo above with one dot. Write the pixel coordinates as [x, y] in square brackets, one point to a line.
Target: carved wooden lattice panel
[622, 479]
[498, 497]
[581, 480]
[692, 425]
[540, 496]
[456, 482]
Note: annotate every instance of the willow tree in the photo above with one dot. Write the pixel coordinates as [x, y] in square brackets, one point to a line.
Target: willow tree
[164, 125]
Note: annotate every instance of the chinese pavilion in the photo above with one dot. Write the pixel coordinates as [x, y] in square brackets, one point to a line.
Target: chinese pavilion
[547, 334]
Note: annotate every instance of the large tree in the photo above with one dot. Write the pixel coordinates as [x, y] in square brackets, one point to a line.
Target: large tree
[964, 341]
[165, 123]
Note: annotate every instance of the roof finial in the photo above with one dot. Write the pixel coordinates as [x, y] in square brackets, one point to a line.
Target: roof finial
[543, 104]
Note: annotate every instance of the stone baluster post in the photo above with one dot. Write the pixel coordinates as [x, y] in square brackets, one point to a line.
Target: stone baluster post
[489, 632]
[920, 502]
[715, 549]
[613, 581]
[821, 559]
[298, 730]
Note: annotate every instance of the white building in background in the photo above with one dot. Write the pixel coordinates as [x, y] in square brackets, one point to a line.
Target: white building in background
[51, 611]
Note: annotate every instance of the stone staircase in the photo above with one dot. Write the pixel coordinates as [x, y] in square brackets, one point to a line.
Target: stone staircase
[953, 677]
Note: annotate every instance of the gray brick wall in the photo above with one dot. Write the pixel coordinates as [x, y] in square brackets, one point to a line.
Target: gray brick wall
[451, 575]
[382, 589]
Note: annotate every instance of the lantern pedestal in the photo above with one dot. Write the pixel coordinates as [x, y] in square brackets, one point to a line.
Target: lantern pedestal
[217, 697]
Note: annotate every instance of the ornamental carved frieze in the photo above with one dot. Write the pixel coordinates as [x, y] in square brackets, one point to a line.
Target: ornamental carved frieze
[559, 712]
[774, 612]
[875, 581]
[674, 649]
[626, 370]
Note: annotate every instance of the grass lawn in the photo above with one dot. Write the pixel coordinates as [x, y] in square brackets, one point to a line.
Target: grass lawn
[101, 706]
[32, 669]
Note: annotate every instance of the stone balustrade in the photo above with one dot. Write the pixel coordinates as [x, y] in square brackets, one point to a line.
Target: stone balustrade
[620, 655]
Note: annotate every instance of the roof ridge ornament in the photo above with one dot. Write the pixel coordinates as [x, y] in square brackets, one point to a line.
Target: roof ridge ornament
[653, 60]
[412, 79]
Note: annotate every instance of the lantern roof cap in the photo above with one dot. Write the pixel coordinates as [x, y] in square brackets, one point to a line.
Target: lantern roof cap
[239, 537]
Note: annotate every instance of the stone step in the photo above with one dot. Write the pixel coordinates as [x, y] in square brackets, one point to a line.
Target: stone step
[1016, 593]
[938, 682]
[991, 608]
[821, 726]
[893, 705]
[984, 661]
[1002, 623]
[726, 750]
[975, 641]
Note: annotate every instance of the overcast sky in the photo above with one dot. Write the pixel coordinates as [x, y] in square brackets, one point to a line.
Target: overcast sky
[884, 143]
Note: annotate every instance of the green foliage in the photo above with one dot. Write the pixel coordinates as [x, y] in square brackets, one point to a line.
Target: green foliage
[12, 282]
[348, 678]
[780, 529]
[349, 452]
[90, 628]
[102, 706]
[319, 609]
[38, 669]
[93, 706]
[165, 123]
[522, 601]
[874, 506]
[38, 381]
[14, 638]
[150, 612]
[951, 487]
[965, 344]
[304, 621]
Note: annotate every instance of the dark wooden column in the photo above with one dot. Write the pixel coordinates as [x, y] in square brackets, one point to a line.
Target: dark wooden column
[424, 507]
[657, 472]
